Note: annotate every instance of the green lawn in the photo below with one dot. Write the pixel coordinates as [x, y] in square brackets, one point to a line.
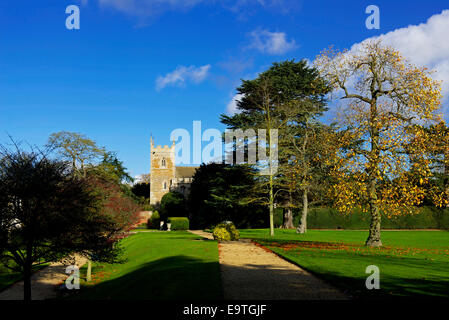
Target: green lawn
[411, 263]
[160, 266]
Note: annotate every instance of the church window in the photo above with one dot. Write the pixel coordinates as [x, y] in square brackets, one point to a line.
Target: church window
[164, 163]
[165, 185]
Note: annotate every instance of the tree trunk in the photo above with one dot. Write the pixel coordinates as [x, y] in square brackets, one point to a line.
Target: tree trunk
[271, 206]
[27, 282]
[27, 272]
[89, 270]
[374, 232]
[287, 222]
[302, 227]
[374, 229]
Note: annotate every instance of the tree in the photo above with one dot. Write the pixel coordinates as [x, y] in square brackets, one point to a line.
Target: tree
[112, 168]
[76, 148]
[116, 204]
[46, 214]
[306, 172]
[90, 160]
[216, 195]
[173, 204]
[436, 142]
[287, 92]
[388, 102]
[141, 190]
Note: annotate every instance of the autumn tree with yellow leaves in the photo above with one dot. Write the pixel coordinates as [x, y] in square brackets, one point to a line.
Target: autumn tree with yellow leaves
[436, 144]
[387, 104]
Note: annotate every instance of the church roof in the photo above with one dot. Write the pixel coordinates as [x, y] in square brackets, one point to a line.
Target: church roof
[185, 172]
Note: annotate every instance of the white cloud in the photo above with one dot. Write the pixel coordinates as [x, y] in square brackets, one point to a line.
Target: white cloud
[271, 42]
[426, 45]
[181, 75]
[231, 108]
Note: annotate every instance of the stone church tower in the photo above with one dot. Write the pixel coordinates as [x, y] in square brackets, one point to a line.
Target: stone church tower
[162, 170]
[165, 176]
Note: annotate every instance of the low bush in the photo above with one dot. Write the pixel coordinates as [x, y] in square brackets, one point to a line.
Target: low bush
[226, 232]
[178, 223]
[154, 221]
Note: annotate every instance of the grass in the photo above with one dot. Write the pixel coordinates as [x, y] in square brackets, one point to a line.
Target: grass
[411, 263]
[172, 265]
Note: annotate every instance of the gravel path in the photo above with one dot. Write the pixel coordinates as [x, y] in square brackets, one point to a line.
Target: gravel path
[44, 283]
[249, 272]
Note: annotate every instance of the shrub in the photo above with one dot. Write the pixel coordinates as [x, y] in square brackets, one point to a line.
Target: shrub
[178, 223]
[173, 204]
[154, 221]
[226, 232]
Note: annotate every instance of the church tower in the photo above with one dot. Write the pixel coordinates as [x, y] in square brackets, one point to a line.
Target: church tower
[162, 171]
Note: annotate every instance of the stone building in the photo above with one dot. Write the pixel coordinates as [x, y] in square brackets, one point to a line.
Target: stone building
[165, 176]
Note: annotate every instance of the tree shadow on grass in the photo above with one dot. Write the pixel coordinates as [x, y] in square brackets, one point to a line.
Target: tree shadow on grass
[186, 278]
[173, 278]
[396, 288]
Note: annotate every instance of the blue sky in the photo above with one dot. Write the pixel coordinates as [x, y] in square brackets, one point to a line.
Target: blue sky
[141, 67]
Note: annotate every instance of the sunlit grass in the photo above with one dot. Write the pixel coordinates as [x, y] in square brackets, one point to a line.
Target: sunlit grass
[411, 263]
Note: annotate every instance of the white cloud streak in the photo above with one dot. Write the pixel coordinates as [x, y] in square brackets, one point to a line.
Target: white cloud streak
[274, 43]
[181, 75]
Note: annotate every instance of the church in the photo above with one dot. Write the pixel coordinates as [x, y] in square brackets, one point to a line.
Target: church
[165, 176]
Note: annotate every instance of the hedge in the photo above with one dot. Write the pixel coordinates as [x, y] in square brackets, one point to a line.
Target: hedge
[327, 218]
[178, 223]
